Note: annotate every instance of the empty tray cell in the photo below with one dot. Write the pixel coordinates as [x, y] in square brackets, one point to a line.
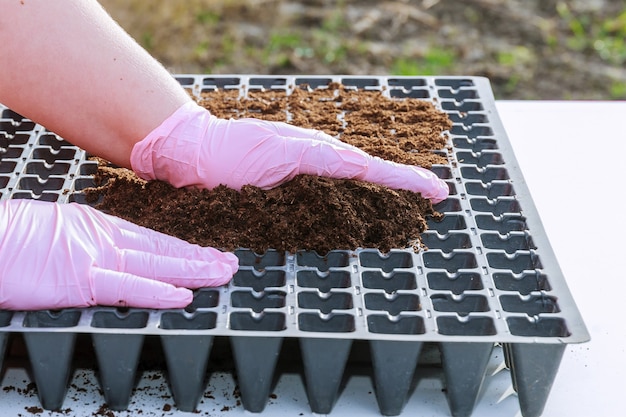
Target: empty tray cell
[188, 321]
[475, 145]
[531, 305]
[480, 159]
[413, 93]
[502, 224]
[266, 322]
[516, 263]
[52, 318]
[259, 281]
[51, 156]
[324, 282]
[333, 259]
[11, 127]
[204, 298]
[333, 323]
[466, 106]
[38, 186]
[490, 190]
[313, 82]
[382, 323]
[81, 183]
[186, 81]
[524, 283]
[53, 141]
[325, 302]
[472, 131]
[221, 82]
[450, 262]
[460, 304]
[452, 189]
[7, 167]
[50, 197]
[43, 170]
[449, 222]
[459, 95]
[466, 326]
[442, 171]
[10, 114]
[538, 326]
[387, 262]
[497, 207]
[360, 83]
[390, 282]
[88, 168]
[18, 139]
[449, 205]
[394, 304]
[456, 283]
[448, 242]
[454, 82]
[120, 319]
[260, 261]
[4, 181]
[485, 175]
[468, 119]
[5, 318]
[10, 152]
[407, 83]
[510, 242]
[258, 302]
[267, 82]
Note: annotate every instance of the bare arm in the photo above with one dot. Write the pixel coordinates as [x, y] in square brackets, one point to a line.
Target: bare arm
[68, 66]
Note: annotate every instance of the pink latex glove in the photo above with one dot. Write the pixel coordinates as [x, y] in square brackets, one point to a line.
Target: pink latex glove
[194, 148]
[71, 255]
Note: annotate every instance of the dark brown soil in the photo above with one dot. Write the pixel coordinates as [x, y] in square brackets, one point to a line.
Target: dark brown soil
[307, 213]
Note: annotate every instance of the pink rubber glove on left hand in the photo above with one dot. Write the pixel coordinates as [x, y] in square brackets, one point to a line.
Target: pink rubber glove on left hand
[71, 255]
[194, 148]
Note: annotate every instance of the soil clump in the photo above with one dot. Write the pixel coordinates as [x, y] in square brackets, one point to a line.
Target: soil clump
[309, 212]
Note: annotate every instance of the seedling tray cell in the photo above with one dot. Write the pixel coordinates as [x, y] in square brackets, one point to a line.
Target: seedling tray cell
[489, 277]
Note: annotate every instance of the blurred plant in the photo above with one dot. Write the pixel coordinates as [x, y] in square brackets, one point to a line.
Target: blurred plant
[618, 90]
[436, 61]
[328, 43]
[279, 48]
[605, 37]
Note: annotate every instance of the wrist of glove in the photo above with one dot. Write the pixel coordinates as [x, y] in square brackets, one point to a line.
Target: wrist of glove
[193, 148]
[70, 255]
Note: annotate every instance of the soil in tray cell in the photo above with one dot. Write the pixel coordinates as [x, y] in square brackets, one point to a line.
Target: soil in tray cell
[307, 213]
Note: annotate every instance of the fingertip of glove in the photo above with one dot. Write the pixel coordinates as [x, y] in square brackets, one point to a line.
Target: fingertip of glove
[175, 298]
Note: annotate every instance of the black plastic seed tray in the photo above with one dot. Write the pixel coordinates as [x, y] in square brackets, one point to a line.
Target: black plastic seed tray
[489, 277]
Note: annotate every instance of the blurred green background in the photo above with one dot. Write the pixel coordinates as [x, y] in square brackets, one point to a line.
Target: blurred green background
[529, 49]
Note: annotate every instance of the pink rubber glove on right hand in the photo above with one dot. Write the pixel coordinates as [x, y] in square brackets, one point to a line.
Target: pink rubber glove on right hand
[194, 148]
[70, 255]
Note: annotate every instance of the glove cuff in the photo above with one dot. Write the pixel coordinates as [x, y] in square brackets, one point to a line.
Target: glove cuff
[146, 152]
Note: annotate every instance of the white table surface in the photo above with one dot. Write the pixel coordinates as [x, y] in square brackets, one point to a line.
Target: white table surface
[572, 157]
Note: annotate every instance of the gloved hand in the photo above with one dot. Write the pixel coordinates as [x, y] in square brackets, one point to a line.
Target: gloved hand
[194, 148]
[71, 255]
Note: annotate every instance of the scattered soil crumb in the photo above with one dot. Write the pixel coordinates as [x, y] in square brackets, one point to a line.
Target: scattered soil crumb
[307, 213]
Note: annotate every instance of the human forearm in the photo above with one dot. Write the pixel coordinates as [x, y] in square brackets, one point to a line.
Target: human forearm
[70, 67]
